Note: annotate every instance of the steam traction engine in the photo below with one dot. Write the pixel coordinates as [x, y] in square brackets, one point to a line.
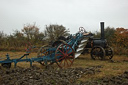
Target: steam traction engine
[99, 46]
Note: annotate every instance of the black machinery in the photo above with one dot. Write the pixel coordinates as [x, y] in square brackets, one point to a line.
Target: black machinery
[99, 48]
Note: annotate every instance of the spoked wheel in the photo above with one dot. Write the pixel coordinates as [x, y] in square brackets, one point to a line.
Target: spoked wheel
[6, 65]
[44, 51]
[97, 53]
[109, 52]
[64, 56]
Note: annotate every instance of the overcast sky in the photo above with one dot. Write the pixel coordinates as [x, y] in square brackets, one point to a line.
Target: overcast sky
[70, 13]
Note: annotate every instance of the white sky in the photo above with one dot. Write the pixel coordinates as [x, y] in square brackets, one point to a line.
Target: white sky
[70, 13]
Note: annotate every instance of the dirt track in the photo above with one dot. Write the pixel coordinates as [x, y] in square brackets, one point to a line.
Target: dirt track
[50, 76]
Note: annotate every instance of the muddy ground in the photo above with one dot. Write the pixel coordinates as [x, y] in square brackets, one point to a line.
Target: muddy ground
[51, 76]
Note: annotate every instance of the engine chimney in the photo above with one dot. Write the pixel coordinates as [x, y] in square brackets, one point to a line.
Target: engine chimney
[102, 30]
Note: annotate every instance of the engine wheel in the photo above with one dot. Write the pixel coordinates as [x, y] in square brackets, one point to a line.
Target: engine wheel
[97, 53]
[64, 56]
[109, 52]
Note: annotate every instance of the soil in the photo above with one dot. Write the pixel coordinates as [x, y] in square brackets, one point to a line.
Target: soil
[115, 80]
[51, 76]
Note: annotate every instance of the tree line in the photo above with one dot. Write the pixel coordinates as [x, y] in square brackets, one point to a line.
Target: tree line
[19, 39]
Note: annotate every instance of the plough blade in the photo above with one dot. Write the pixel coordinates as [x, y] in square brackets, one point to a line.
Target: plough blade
[81, 46]
[83, 41]
[77, 54]
[79, 49]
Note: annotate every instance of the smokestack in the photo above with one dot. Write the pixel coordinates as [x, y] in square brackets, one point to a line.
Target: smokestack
[102, 30]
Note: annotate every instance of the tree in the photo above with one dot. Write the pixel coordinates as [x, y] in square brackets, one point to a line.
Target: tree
[1, 37]
[108, 32]
[17, 34]
[121, 37]
[52, 32]
[39, 39]
[30, 31]
[19, 38]
[120, 41]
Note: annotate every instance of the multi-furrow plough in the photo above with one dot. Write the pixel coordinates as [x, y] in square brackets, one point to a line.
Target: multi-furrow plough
[64, 51]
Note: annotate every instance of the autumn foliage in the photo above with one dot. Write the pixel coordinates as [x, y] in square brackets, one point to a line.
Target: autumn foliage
[120, 41]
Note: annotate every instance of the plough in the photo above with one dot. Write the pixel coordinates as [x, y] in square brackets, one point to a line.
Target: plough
[64, 51]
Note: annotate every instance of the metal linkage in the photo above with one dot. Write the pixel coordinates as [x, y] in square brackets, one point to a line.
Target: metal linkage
[7, 63]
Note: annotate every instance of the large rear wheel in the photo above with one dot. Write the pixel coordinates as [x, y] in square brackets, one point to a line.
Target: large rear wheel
[64, 56]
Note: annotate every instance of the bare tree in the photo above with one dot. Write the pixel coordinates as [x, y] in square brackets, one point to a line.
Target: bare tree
[30, 31]
[52, 32]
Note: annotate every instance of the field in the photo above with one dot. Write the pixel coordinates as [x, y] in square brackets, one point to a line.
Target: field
[108, 68]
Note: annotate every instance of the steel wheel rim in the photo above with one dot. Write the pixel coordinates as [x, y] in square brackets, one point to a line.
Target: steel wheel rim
[66, 54]
[98, 53]
[43, 52]
[110, 50]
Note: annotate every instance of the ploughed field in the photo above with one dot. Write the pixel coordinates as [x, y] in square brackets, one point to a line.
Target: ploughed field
[84, 71]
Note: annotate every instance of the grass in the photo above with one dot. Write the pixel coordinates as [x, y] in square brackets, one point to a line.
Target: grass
[109, 68]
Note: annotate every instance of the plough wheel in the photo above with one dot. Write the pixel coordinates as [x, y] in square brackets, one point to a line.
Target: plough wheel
[43, 51]
[97, 53]
[6, 65]
[64, 56]
[109, 52]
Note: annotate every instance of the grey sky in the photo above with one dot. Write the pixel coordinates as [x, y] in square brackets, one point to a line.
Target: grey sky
[70, 13]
